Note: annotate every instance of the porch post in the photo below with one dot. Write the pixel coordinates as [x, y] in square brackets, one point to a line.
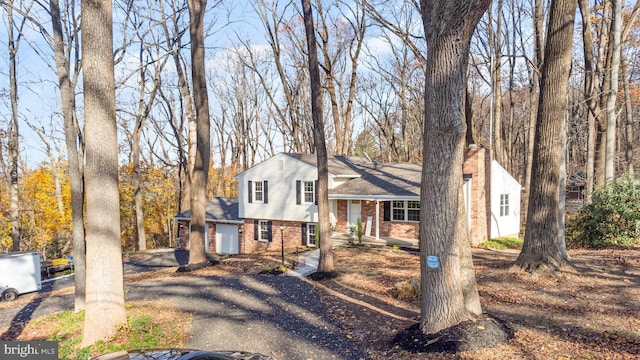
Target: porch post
[377, 219]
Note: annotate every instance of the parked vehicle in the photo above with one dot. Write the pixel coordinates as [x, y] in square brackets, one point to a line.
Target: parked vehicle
[19, 274]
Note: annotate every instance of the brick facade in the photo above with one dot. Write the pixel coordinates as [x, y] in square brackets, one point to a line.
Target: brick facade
[478, 164]
[291, 231]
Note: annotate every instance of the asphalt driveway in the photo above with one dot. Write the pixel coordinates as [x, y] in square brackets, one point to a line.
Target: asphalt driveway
[279, 316]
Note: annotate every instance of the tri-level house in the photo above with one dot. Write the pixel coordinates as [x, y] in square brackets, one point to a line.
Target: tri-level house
[278, 202]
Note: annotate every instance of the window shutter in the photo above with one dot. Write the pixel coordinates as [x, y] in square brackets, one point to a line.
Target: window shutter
[250, 191]
[269, 232]
[256, 228]
[265, 190]
[298, 190]
[386, 211]
[304, 234]
[315, 191]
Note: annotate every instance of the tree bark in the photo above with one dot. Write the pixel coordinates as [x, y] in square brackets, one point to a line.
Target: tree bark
[325, 262]
[449, 291]
[13, 143]
[197, 252]
[629, 122]
[105, 289]
[541, 249]
[610, 155]
[73, 141]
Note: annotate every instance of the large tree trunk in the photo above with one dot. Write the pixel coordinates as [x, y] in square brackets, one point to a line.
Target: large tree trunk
[449, 291]
[197, 252]
[105, 290]
[325, 263]
[541, 249]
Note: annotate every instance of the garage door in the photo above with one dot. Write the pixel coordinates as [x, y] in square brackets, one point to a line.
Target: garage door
[226, 239]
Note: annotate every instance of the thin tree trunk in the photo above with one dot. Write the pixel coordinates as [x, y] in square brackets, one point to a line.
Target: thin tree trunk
[197, 252]
[540, 249]
[538, 53]
[105, 288]
[74, 154]
[13, 143]
[325, 262]
[610, 155]
[628, 149]
[449, 291]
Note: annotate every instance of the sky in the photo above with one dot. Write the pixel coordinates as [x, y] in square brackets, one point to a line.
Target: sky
[39, 100]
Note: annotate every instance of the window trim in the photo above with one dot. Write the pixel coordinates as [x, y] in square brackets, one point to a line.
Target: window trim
[309, 234]
[264, 223]
[405, 209]
[304, 191]
[256, 192]
[504, 205]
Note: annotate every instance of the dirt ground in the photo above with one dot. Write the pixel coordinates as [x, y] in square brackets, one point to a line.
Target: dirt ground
[588, 311]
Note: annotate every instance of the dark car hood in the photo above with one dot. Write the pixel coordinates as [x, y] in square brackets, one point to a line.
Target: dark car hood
[181, 354]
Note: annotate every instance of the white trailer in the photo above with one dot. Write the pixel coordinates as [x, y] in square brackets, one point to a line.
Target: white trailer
[19, 274]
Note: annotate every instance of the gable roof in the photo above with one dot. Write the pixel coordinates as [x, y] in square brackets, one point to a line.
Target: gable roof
[218, 209]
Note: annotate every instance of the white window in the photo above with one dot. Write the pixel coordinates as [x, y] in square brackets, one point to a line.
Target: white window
[413, 210]
[398, 210]
[309, 191]
[258, 191]
[263, 230]
[504, 204]
[311, 234]
[405, 210]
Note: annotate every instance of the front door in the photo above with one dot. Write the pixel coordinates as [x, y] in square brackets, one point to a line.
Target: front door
[354, 213]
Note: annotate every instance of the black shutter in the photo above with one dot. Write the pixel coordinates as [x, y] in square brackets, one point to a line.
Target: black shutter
[250, 191]
[386, 211]
[304, 234]
[269, 232]
[315, 190]
[265, 190]
[256, 228]
[298, 195]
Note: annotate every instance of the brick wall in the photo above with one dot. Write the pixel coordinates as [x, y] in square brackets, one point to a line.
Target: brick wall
[292, 233]
[183, 236]
[478, 164]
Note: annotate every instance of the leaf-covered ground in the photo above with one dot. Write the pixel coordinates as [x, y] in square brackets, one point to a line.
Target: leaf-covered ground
[588, 311]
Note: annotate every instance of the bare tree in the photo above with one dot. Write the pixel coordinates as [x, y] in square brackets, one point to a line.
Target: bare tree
[449, 291]
[105, 288]
[13, 142]
[616, 29]
[197, 252]
[325, 262]
[541, 250]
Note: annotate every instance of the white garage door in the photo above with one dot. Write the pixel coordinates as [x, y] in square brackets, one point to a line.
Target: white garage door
[226, 239]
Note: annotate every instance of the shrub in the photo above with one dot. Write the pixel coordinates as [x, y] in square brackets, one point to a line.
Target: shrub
[613, 217]
[407, 290]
